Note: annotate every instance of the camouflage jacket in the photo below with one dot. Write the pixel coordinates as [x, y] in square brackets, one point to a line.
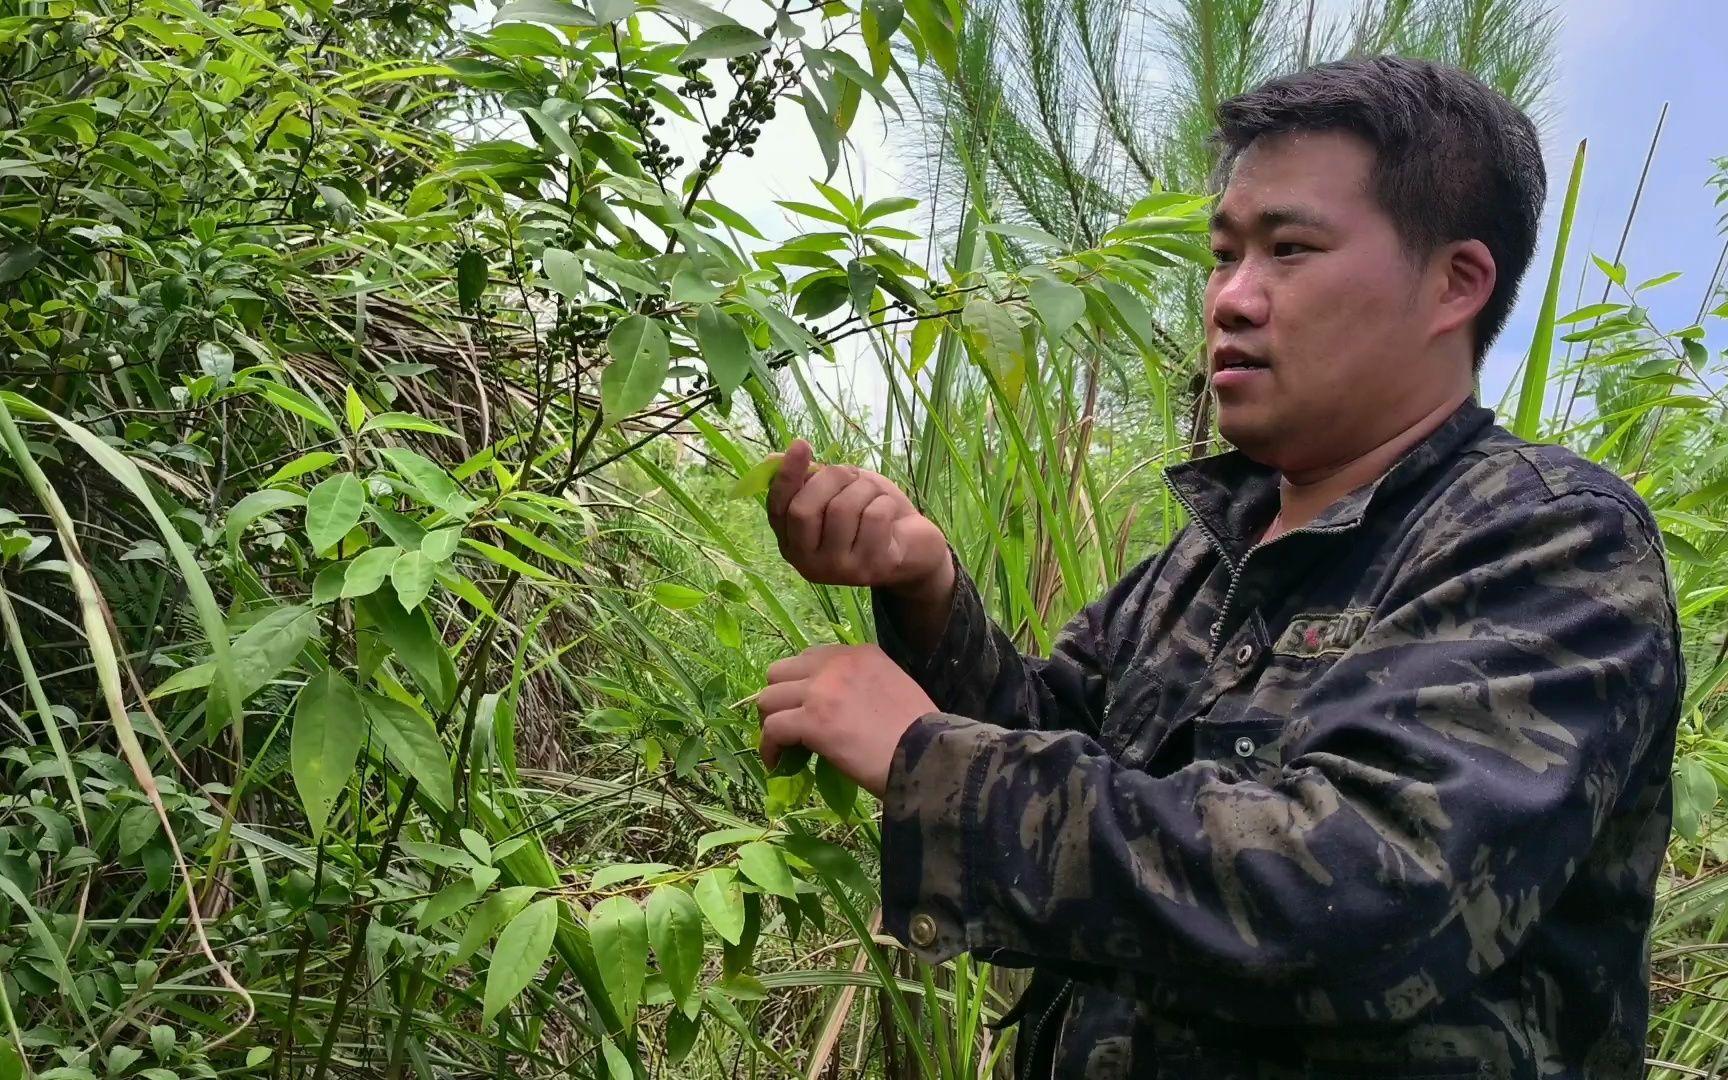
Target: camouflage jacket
[1385, 797]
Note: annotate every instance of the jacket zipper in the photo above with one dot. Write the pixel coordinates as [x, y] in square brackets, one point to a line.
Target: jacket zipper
[1235, 568]
[1059, 1001]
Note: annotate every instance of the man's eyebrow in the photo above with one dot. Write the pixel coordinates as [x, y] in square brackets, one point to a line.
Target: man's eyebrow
[1271, 218]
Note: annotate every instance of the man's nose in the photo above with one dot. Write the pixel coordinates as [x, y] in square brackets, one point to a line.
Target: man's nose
[1240, 299]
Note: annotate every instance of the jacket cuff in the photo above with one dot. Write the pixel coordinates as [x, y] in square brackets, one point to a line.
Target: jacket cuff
[930, 834]
[944, 670]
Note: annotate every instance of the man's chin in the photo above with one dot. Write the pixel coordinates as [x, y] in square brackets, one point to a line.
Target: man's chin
[1251, 431]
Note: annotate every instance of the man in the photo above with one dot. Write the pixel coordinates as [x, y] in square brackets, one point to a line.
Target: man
[1367, 774]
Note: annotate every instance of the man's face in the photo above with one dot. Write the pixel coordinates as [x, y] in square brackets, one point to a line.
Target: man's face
[1315, 313]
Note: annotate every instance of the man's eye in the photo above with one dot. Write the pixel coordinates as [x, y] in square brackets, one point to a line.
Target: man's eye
[1223, 256]
[1289, 247]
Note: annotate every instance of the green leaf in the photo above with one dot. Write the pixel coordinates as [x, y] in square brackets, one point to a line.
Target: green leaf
[757, 480]
[138, 825]
[327, 586]
[1591, 311]
[763, 864]
[440, 544]
[415, 643]
[412, 576]
[522, 948]
[722, 902]
[325, 743]
[401, 421]
[837, 790]
[257, 1056]
[621, 271]
[617, 1065]
[676, 597]
[997, 343]
[830, 860]
[1615, 272]
[894, 204]
[618, 933]
[564, 270]
[428, 478]
[332, 508]
[449, 900]
[608, 11]
[727, 632]
[356, 409]
[1059, 305]
[925, 334]
[861, 281]
[1028, 234]
[675, 932]
[255, 506]
[413, 744]
[723, 42]
[297, 403]
[498, 909]
[640, 359]
[471, 275]
[300, 466]
[368, 570]
[681, 1032]
[724, 348]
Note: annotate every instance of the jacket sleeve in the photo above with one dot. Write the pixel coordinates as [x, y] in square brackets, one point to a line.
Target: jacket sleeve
[976, 671]
[1442, 781]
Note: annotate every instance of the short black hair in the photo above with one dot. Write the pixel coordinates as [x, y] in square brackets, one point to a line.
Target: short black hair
[1454, 159]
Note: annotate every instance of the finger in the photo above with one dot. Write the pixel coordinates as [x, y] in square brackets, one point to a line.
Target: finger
[778, 697]
[794, 470]
[780, 731]
[801, 666]
[875, 540]
[891, 489]
[804, 514]
[841, 519]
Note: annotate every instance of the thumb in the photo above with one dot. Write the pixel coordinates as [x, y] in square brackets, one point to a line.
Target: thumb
[789, 481]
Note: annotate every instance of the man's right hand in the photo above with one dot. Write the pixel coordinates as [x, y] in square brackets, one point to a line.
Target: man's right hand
[841, 525]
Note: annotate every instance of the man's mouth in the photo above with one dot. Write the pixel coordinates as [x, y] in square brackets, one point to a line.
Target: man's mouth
[1236, 360]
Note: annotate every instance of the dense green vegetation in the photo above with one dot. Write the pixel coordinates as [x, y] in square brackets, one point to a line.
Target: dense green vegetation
[383, 586]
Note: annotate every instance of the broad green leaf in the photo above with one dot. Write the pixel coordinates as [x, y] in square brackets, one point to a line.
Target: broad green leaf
[757, 480]
[830, 860]
[722, 902]
[610, 877]
[724, 348]
[621, 271]
[368, 570]
[401, 421]
[471, 274]
[607, 11]
[297, 403]
[998, 344]
[498, 909]
[332, 508]
[440, 544]
[413, 744]
[328, 732]
[727, 630]
[617, 1065]
[415, 644]
[449, 900]
[640, 360]
[618, 933]
[522, 948]
[256, 505]
[258, 655]
[1590, 311]
[564, 270]
[723, 42]
[925, 334]
[861, 281]
[721, 837]
[676, 597]
[138, 825]
[300, 466]
[1028, 234]
[355, 408]
[428, 478]
[763, 864]
[681, 1032]
[1059, 305]
[838, 790]
[675, 932]
[327, 586]
[412, 577]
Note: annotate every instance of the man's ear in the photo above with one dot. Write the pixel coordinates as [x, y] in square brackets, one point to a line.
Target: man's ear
[1465, 276]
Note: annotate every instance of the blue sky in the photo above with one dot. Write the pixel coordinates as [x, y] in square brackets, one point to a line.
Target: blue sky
[1617, 62]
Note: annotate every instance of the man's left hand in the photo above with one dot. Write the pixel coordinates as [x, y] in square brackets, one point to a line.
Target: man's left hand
[849, 703]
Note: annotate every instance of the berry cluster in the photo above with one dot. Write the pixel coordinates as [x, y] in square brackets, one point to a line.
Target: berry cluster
[751, 107]
[656, 154]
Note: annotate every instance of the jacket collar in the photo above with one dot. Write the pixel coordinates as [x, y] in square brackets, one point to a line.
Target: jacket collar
[1233, 498]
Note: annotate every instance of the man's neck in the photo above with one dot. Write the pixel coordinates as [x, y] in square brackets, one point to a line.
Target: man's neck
[1304, 496]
